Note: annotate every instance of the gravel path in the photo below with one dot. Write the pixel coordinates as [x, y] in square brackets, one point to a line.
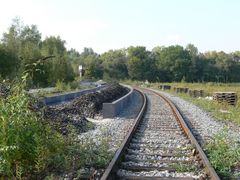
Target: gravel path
[204, 126]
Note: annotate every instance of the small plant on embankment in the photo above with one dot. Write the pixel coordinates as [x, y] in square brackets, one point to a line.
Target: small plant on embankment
[224, 155]
[95, 153]
[27, 145]
[220, 111]
[30, 148]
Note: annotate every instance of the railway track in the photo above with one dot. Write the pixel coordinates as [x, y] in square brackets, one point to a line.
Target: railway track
[159, 146]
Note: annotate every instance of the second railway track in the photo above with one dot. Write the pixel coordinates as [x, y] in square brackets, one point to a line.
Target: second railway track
[159, 146]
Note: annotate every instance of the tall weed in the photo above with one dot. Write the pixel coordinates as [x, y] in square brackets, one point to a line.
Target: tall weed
[27, 145]
[224, 154]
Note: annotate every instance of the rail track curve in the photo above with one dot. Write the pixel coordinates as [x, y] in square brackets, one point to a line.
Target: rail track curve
[159, 146]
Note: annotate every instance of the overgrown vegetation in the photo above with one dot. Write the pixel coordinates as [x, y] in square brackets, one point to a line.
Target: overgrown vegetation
[27, 145]
[222, 111]
[95, 152]
[30, 148]
[224, 155]
[70, 86]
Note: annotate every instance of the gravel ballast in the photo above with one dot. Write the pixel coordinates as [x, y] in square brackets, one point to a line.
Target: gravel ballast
[115, 128]
[159, 147]
[203, 125]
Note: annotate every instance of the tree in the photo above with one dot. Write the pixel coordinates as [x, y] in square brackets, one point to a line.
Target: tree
[196, 66]
[115, 64]
[8, 63]
[88, 51]
[11, 39]
[74, 57]
[93, 67]
[193, 51]
[59, 68]
[174, 61]
[23, 42]
[141, 65]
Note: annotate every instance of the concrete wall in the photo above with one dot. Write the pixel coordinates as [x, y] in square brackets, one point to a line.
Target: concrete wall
[111, 110]
[68, 97]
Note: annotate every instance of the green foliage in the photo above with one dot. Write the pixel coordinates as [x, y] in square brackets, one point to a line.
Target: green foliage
[224, 154]
[61, 86]
[22, 45]
[8, 63]
[115, 64]
[232, 113]
[96, 154]
[141, 65]
[174, 61]
[59, 69]
[27, 145]
[74, 85]
[93, 67]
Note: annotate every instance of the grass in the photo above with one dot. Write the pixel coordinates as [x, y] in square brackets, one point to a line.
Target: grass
[61, 88]
[209, 88]
[224, 155]
[184, 167]
[220, 111]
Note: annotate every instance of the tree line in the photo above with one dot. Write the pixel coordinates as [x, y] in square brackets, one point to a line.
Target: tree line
[22, 45]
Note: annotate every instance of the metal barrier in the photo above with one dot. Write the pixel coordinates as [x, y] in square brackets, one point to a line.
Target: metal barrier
[68, 96]
[110, 110]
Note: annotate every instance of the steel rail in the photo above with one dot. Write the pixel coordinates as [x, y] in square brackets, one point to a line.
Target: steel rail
[211, 172]
[113, 166]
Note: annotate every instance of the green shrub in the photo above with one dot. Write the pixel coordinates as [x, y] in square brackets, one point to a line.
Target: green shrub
[96, 154]
[61, 86]
[74, 85]
[224, 154]
[27, 145]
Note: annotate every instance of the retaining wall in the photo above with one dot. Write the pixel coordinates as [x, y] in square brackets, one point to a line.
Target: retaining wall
[69, 96]
[111, 110]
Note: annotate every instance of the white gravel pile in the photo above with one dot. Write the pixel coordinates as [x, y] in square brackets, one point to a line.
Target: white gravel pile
[204, 126]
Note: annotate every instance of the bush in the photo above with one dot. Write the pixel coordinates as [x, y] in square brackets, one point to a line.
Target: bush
[27, 145]
[61, 86]
[75, 85]
[96, 154]
[224, 154]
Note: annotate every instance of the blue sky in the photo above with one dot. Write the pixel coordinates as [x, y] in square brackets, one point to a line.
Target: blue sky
[114, 24]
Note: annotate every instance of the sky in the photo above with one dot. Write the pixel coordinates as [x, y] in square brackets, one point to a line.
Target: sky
[114, 24]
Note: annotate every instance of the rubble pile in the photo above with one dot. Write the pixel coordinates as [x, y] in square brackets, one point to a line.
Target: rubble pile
[91, 104]
[74, 112]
